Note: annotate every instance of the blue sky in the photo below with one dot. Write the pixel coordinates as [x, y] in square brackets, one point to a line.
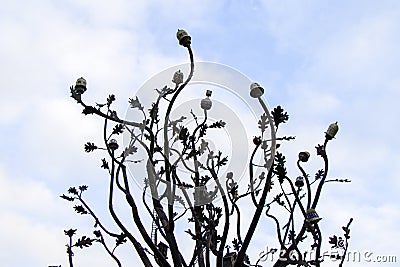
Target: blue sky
[323, 61]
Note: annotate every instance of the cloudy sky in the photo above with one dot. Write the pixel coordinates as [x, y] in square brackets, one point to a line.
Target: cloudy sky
[324, 61]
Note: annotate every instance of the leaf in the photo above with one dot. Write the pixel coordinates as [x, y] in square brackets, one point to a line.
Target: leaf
[203, 130]
[222, 162]
[100, 105]
[67, 198]
[192, 153]
[288, 138]
[279, 116]
[280, 168]
[72, 190]
[185, 185]
[104, 164]
[183, 133]
[135, 103]
[203, 146]
[84, 242]
[180, 200]
[120, 239]
[154, 112]
[97, 233]
[278, 200]
[113, 114]
[218, 124]
[333, 241]
[89, 147]
[80, 209]
[173, 124]
[89, 110]
[319, 174]
[236, 244]
[83, 188]
[292, 235]
[118, 129]
[321, 150]
[263, 122]
[164, 91]
[147, 137]
[175, 130]
[130, 150]
[180, 120]
[110, 99]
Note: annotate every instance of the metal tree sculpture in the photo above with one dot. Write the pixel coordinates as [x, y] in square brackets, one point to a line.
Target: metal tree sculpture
[169, 145]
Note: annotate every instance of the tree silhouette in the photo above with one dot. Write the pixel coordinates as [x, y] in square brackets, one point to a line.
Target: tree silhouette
[214, 215]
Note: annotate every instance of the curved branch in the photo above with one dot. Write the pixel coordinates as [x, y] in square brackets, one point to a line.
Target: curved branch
[253, 197]
[278, 228]
[297, 197]
[307, 183]
[140, 250]
[321, 183]
[110, 252]
[96, 218]
[254, 221]
[226, 225]
[166, 145]
[129, 198]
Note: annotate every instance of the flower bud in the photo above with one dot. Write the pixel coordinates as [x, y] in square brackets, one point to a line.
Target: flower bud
[312, 216]
[304, 156]
[206, 103]
[80, 86]
[257, 140]
[256, 90]
[332, 131]
[299, 181]
[113, 145]
[183, 38]
[178, 77]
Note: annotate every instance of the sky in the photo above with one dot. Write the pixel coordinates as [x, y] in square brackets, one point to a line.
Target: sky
[323, 61]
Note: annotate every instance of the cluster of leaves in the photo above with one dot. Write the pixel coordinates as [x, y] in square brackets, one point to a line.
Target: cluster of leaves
[279, 167]
[84, 241]
[279, 116]
[321, 150]
[135, 103]
[76, 194]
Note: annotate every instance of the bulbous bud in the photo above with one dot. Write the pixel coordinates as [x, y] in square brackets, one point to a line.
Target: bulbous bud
[332, 131]
[183, 38]
[257, 140]
[178, 77]
[312, 216]
[80, 86]
[299, 181]
[113, 145]
[256, 90]
[206, 103]
[304, 156]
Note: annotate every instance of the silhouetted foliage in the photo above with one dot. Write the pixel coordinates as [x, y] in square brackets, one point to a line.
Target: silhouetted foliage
[169, 146]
